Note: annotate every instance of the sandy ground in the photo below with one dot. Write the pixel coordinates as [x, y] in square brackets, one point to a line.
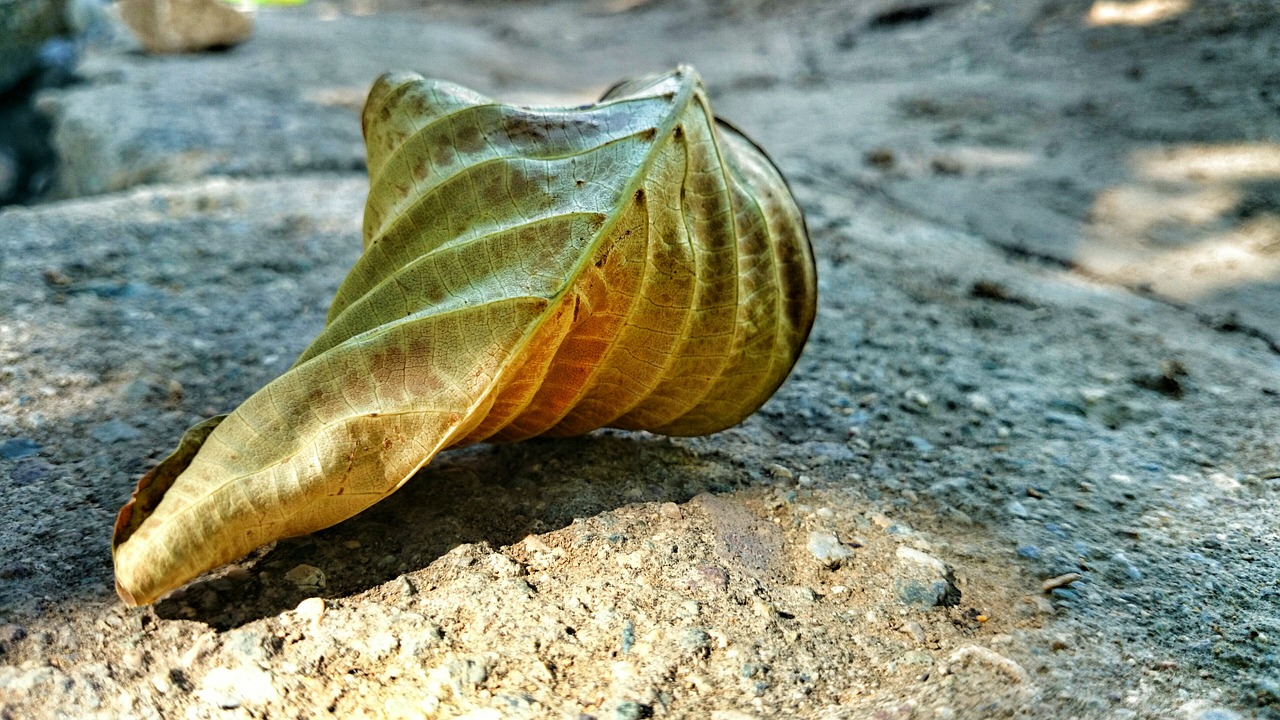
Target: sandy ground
[984, 405]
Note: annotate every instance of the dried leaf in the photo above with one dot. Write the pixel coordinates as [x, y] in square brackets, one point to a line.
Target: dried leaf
[634, 264]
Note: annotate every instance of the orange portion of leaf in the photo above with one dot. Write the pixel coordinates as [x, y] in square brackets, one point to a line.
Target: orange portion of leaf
[634, 264]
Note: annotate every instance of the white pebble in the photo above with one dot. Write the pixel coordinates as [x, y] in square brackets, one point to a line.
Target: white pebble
[312, 610]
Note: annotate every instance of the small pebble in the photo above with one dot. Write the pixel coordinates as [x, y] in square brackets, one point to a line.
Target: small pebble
[921, 559]
[1031, 552]
[631, 710]
[779, 471]
[628, 636]
[828, 549]
[695, 641]
[133, 660]
[306, 576]
[312, 610]
[502, 566]
[922, 580]
[670, 511]
[980, 403]
[406, 586]
[1066, 595]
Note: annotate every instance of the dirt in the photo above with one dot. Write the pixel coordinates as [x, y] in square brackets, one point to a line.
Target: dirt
[982, 408]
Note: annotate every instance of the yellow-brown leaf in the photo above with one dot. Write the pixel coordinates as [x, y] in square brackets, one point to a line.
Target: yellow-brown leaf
[635, 264]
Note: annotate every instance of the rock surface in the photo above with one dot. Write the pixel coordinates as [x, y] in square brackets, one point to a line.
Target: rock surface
[1093, 472]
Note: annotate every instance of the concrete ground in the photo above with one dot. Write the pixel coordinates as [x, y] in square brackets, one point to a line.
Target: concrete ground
[1049, 248]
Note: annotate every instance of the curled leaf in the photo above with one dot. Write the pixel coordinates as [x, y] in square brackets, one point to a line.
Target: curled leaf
[634, 264]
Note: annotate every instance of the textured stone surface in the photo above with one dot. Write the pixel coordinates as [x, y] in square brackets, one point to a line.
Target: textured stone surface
[953, 401]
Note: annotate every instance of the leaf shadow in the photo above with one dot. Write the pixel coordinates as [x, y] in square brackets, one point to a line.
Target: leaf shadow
[494, 494]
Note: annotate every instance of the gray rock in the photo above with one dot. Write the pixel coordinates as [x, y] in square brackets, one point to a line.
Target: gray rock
[1120, 569]
[628, 636]
[249, 646]
[922, 580]
[631, 710]
[695, 641]
[306, 576]
[827, 549]
[18, 447]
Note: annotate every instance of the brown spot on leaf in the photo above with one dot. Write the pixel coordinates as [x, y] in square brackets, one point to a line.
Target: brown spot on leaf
[468, 138]
[526, 130]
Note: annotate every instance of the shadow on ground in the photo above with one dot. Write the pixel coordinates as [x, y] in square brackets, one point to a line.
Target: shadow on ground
[494, 494]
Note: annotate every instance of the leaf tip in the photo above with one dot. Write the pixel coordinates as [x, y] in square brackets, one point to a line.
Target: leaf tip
[125, 595]
[151, 488]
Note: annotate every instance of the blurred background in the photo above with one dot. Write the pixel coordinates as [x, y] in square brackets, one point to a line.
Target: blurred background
[1134, 140]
